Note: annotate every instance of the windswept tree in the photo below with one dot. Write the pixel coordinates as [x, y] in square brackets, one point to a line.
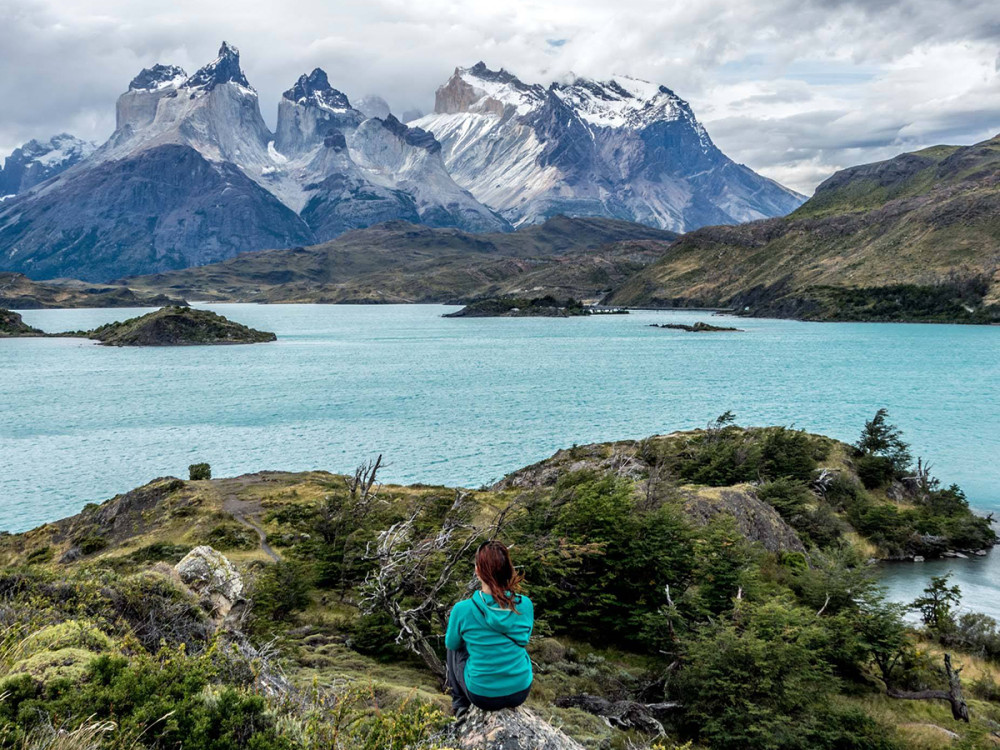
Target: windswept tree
[883, 454]
[937, 605]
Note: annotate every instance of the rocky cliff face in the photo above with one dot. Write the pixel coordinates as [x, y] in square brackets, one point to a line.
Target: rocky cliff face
[621, 148]
[344, 170]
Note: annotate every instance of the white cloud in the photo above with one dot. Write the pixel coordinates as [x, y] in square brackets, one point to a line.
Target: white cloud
[793, 88]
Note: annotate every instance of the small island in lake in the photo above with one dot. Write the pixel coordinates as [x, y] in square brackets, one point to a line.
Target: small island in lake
[520, 307]
[12, 325]
[698, 327]
[168, 326]
[178, 326]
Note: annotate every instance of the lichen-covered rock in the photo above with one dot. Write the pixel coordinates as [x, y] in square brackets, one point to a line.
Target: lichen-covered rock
[756, 520]
[209, 573]
[510, 729]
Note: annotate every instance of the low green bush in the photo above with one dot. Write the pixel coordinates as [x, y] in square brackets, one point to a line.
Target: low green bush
[199, 471]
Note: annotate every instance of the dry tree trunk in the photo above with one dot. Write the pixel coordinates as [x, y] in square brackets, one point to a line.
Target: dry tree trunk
[959, 709]
[404, 572]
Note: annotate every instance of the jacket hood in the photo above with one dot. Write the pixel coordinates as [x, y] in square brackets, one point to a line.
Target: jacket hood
[497, 618]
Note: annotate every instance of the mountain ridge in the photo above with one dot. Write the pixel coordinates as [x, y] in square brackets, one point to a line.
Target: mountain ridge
[622, 148]
[915, 237]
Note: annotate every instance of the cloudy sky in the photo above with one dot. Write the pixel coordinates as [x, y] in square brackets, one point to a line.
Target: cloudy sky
[794, 88]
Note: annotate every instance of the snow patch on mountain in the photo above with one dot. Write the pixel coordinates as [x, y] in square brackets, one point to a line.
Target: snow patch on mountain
[37, 161]
[623, 148]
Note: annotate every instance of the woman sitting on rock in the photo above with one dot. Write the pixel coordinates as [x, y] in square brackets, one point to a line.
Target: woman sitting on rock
[487, 638]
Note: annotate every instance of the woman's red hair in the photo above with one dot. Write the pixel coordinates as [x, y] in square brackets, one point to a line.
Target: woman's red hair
[496, 570]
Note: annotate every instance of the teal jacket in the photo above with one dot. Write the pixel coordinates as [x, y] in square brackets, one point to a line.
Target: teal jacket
[495, 638]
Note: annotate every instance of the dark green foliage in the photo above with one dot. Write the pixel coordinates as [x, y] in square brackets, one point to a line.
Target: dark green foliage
[281, 590]
[199, 471]
[725, 455]
[41, 555]
[949, 301]
[598, 563]
[812, 518]
[547, 306]
[976, 633]
[232, 535]
[375, 635]
[159, 698]
[874, 471]
[938, 604]
[787, 496]
[158, 551]
[91, 543]
[725, 565]
[764, 682]
[882, 440]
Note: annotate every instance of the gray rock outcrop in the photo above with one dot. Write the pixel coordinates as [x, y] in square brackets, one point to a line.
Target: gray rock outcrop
[209, 574]
[509, 729]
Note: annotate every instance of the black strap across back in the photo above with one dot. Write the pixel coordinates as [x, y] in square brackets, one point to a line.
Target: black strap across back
[486, 622]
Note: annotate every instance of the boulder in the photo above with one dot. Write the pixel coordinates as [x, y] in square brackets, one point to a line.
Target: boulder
[209, 573]
[509, 729]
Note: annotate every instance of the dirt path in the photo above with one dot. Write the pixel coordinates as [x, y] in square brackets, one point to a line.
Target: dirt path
[245, 511]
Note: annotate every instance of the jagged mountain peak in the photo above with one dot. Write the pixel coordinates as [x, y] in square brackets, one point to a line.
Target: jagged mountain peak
[36, 161]
[625, 102]
[480, 89]
[413, 136]
[315, 89]
[223, 69]
[158, 77]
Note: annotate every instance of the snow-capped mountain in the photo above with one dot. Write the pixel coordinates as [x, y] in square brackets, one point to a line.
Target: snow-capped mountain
[192, 175]
[623, 148]
[37, 161]
[341, 169]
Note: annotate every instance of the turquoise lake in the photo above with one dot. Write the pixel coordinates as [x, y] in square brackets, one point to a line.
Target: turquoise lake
[463, 401]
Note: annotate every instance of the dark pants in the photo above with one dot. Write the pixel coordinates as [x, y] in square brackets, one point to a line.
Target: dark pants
[462, 698]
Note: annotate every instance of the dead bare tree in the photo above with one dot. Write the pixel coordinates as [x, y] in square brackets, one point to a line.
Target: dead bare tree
[959, 709]
[825, 478]
[921, 483]
[412, 573]
[361, 483]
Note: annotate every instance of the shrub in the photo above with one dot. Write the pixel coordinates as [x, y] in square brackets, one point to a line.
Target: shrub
[232, 535]
[874, 471]
[199, 471]
[91, 543]
[280, 591]
[757, 686]
[787, 496]
[375, 635]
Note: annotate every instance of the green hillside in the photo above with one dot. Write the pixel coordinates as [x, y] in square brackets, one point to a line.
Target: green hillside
[705, 589]
[913, 238]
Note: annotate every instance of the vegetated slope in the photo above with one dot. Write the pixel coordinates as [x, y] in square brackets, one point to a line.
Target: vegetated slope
[11, 324]
[178, 326]
[19, 292]
[916, 237]
[403, 262]
[711, 585]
